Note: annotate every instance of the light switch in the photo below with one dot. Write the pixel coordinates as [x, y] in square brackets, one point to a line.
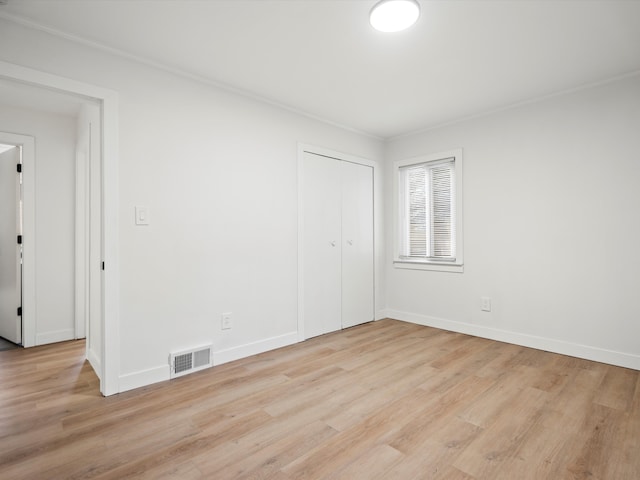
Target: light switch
[142, 215]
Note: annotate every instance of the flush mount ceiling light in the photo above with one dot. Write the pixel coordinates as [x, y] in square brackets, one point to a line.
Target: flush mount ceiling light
[394, 15]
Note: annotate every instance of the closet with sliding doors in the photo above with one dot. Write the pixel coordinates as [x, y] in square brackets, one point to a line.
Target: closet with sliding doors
[336, 259]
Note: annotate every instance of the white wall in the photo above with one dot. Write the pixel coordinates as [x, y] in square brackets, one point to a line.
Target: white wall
[55, 203]
[218, 173]
[551, 231]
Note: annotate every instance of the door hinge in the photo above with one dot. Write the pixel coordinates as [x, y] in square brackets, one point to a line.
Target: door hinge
[19, 168]
[19, 239]
[19, 311]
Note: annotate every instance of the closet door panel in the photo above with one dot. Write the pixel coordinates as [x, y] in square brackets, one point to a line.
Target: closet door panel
[357, 244]
[322, 269]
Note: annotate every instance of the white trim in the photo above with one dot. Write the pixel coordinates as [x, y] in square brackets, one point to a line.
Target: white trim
[381, 314]
[254, 348]
[110, 361]
[432, 266]
[423, 264]
[81, 248]
[162, 373]
[587, 352]
[82, 236]
[326, 152]
[300, 283]
[29, 294]
[143, 378]
[88, 154]
[38, 78]
[111, 275]
[55, 336]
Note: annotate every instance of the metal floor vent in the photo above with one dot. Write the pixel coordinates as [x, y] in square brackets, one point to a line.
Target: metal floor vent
[189, 361]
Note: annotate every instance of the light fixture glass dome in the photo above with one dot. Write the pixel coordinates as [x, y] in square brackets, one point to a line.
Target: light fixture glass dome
[394, 15]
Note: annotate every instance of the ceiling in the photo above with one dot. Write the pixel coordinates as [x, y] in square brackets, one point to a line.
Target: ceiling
[322, 58]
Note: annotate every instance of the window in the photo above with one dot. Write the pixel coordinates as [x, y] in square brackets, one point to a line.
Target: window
[428, 211]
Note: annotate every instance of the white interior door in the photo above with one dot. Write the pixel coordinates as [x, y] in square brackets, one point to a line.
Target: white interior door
[321, 201]
[10, 250]
[357, 244]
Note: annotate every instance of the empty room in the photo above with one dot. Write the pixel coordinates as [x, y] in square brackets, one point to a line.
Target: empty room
[320, 239]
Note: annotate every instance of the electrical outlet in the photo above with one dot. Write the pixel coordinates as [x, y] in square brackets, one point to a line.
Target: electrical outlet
[485, 304]
[226, 321]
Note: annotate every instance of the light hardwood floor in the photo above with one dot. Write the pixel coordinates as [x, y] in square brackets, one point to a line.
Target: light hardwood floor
[386, 400]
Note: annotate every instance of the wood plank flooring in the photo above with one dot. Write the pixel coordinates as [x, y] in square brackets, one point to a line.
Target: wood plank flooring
[386, 400]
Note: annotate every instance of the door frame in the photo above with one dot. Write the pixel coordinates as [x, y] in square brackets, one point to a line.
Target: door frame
[87, 159]
[107, 367]
[29, 314]
[326, 152]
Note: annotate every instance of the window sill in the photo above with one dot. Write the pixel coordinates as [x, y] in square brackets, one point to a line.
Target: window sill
[432, 266]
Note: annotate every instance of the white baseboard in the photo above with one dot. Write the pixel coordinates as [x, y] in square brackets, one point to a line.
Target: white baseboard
[162, 373]
[587, 352]
[380, 315]
[143, 378]
[242, 351]
[55, 336]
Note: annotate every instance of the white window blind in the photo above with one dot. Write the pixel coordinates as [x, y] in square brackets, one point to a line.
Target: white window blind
[429, 210]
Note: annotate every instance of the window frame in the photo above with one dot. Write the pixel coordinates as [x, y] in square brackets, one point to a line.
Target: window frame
[400, 225]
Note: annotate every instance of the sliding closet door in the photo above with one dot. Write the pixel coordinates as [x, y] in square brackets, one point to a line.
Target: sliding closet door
[337, 288]
[357, 244]
[321, 256]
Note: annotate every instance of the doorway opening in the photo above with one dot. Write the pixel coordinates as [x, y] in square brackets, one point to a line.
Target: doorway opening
[51, 220]
[17, 250]
[104, 356]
